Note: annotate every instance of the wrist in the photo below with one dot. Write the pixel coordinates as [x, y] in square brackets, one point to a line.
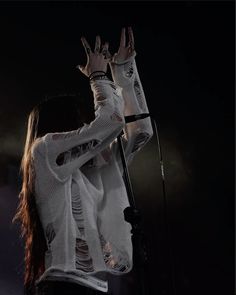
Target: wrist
[116, 61]
[95, 74]
[124, 74]
[99, 78]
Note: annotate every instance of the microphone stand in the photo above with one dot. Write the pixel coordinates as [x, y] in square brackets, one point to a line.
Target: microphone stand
[133, 216]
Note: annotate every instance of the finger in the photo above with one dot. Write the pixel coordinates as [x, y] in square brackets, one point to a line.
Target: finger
[109, 56]
[106, 52]
[131, 38]
[81, 68]
[86, 45]
[105, 49]
[122, 38]
[97, 44]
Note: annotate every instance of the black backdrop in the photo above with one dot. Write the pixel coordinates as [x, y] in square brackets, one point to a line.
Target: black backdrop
[185, 56]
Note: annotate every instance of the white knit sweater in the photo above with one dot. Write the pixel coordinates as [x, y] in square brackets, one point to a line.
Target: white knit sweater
[79, 189]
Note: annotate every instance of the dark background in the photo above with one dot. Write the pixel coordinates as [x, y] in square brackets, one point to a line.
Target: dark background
[185, 56]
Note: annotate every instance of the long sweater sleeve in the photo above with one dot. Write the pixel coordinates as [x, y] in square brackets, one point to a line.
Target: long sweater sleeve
[137, 133]
[66, 151]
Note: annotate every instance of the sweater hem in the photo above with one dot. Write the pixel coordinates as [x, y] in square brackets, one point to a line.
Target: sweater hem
[75, 277]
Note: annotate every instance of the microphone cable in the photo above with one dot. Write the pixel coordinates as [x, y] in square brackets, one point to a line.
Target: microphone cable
[167, 227]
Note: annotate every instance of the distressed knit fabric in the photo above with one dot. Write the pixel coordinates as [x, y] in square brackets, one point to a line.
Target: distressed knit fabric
[79, 188]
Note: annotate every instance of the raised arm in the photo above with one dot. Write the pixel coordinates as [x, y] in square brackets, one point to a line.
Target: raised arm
[125, 74]
[66, 151]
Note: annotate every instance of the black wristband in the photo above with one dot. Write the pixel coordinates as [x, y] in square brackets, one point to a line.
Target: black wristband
[98, 77]
[102, 73]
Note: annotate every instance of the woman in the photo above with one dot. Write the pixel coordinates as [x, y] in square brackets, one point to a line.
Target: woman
[73, 194]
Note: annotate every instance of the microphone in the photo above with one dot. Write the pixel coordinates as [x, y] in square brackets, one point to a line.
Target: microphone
[133, 118]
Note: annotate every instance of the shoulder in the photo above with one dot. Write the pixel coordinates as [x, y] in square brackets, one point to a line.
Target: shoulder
[37, 147]
[41, 144]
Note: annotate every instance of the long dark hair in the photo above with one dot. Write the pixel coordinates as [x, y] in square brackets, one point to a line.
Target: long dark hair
[54, 114]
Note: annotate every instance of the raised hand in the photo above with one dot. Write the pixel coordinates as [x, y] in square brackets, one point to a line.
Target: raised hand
[97, 60]
[124, 51]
